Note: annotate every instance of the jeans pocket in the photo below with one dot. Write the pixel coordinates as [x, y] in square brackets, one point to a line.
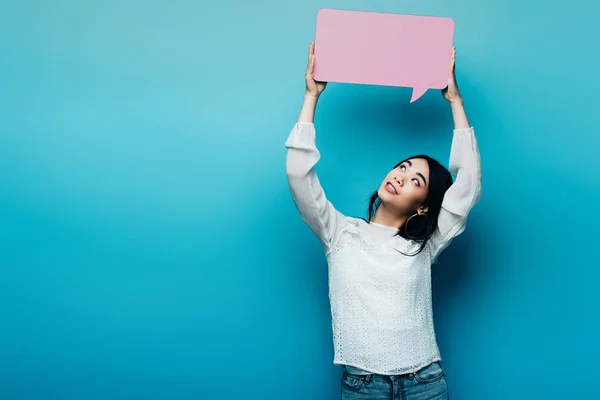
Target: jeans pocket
[431, 373]
[352, 382]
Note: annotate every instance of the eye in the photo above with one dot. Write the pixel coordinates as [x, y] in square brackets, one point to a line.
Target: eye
[416, 181]
[403, 167]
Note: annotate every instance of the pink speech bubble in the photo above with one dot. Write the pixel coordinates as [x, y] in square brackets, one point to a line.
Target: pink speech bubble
[383, 49]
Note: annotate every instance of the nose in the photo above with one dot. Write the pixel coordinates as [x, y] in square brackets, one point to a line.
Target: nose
[399, 181]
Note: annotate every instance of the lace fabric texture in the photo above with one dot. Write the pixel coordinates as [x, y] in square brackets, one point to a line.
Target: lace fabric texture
[380, 304]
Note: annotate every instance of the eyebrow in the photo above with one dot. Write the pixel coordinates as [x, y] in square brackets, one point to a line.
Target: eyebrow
[418, 173]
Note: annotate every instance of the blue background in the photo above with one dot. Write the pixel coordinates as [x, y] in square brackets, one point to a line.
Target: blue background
[150, 248]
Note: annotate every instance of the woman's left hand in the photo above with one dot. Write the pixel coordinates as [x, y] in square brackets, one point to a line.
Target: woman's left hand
[451, 92]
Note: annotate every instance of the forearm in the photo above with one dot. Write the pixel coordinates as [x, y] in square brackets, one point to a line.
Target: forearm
[459, 114]
[465, 192]
[307, 113]
[305, 188]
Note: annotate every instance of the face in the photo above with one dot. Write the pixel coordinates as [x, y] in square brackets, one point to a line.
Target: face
[405, 188]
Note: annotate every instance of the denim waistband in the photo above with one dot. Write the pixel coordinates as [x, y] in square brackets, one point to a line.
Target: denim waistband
[356, 371]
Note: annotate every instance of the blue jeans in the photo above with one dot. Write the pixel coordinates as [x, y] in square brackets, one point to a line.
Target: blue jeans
[429, 383]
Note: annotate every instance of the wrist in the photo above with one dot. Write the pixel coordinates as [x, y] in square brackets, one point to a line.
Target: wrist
[311, 97]
[456, 102]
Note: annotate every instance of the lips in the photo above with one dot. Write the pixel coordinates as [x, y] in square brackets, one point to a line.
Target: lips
[390, 188]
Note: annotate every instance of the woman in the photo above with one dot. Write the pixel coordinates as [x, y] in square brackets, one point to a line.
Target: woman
[380, 268]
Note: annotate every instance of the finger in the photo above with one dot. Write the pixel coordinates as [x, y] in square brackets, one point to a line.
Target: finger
[310, 72]
[309, 64]
[453, 60]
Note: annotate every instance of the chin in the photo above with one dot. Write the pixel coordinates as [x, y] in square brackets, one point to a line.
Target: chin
[383, 194]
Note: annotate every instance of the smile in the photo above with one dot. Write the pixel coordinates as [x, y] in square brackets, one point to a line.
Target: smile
[390, 188]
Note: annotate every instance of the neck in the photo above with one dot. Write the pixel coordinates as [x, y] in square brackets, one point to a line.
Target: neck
[386, 217]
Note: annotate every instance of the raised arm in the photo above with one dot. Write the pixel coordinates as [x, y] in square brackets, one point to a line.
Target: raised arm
[302, 156]
[465, 164]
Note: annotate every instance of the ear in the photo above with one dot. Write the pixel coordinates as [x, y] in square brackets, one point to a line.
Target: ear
[422, 210]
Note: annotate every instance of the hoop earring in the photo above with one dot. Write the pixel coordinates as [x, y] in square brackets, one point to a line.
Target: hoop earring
[406, 224]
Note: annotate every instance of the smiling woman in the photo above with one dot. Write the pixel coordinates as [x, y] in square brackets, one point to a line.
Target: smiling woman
[380, 268]
[416, 185]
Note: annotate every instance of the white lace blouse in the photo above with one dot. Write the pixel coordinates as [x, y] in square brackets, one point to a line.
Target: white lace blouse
[380, 299]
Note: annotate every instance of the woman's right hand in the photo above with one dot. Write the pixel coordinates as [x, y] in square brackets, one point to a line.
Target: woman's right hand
[313, 88]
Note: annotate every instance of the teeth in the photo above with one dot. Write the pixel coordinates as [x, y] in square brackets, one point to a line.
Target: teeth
[392, 187]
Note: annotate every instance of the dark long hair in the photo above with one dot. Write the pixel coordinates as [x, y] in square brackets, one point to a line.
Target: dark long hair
[421, 227]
